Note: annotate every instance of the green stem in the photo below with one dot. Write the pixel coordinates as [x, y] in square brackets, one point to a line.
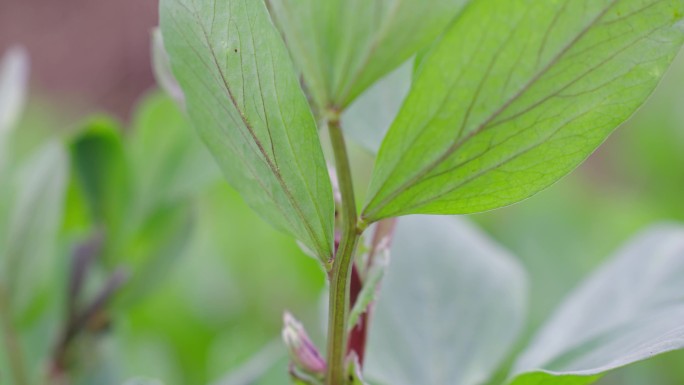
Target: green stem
[11, 341]
[341, 271]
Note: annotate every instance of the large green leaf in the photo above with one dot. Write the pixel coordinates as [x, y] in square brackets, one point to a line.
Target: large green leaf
[450, 307]
[244, 97]
[515, 95]
[629, 310]
[343, 46]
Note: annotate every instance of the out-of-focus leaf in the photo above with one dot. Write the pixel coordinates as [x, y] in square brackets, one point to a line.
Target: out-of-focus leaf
[29, 223]
[167, 159]
[256, 366]
[143, 381]
[243, 96]
[367, 119]
[161, 67]
[497, 115]
[99, 163]
[451, 306]
[629, 310]
[14, 73]
[156, 245]
[344, 46]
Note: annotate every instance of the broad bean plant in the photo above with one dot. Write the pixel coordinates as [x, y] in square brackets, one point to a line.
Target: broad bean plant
[478, 104]
[505, 98]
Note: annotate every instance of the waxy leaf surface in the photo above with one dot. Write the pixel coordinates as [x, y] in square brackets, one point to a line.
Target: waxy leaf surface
[450, 307]
[514, 96]
[244, 98]
[631, 309]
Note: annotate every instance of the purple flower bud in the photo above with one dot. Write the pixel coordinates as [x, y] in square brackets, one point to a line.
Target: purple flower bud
[303, 352]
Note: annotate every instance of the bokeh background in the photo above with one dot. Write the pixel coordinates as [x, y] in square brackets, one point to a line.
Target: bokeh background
[217, 278]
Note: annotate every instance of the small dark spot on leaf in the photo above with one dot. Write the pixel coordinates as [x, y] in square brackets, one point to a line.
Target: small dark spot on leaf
[235, 50]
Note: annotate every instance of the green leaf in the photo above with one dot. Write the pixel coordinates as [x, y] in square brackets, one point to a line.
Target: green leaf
[451, 306]
[156, 245]
[515, 95]
[30, 218]
[344, 46]
[631, 309]
[243, 96]
[171, 163]
[100, 167]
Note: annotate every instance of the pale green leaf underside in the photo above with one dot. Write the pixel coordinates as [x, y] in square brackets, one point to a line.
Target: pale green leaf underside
[450, 306]
[244, 98]
[629, 310]
[514, 96]
[343, 46]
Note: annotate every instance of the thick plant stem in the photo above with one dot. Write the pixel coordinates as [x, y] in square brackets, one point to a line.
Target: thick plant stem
[12, 346]
[341, 270]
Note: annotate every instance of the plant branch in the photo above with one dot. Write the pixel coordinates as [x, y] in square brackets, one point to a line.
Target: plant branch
[79, 320]
[341, 271]
[11, 341]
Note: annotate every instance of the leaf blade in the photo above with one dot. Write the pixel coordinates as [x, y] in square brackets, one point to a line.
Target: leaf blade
[243, 97]
[344, 46]
[31, 223]
[451, 318]
[525, 108]
[631, 309]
